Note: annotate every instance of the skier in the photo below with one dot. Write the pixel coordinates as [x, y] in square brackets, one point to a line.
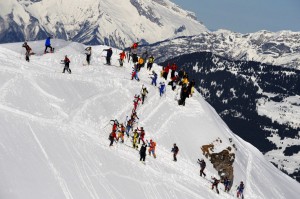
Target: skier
[175, 151]
[162, 88]
[136, 101]
[191, 87]
[28, 49]
[153, 76]
[150, 62]
[88, 52]
[143, 152]
[108, 55]
[48, 45]
[121, 133]
[144, 92]
[202, 167]
[128, 126]
[183, 95]
[134, 117]
[134, 52]
[226, 183]
[135, 139]
[67, 62]
[122, 58]
[112, 137]
[174, 68]
[215, 184]
[166, 71]
[135, 74]
[142, 135]
[152, 146]
[144, 57]
[240, 190]
[140, 63]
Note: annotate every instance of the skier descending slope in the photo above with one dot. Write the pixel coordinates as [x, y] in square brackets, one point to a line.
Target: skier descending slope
[67, 62]
[240, 190]
[108, 55]
[48, 45]
[28, 49]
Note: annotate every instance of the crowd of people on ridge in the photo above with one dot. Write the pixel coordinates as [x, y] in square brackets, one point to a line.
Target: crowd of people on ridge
[130, 126]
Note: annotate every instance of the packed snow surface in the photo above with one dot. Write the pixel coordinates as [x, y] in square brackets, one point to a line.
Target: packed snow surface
[54, 131]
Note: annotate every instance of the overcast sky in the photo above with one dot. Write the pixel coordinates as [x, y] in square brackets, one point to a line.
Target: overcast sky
[246, 15]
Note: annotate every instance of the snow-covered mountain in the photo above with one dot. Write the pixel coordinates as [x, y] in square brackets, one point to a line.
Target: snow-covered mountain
[276, 48]
[54, 129]
[115, 23]
[259, 102]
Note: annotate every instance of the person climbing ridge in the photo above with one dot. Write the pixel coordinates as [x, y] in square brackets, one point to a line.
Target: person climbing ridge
[175, 151]
[88, 52]
[144, 93]
[152, 146]
[28, 51]
[215, 184]
[108, 55]
[141, 135]
[202, 167]
[240, 190]
[122, 57]
[48, 45]
[154, 78]
[67, 62]
[162, 88]
[150, 63]
[135, 139]
[143, 153]
[226, 183]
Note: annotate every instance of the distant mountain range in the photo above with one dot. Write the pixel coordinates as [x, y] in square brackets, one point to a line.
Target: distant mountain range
[280, 48]
[114, 23]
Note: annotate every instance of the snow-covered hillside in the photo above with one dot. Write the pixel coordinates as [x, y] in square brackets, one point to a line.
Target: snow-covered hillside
[54, 130]
[115, 23]
[277, 48]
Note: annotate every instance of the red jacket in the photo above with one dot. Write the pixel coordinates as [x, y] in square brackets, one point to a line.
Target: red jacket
[167, 68]
[122, 55]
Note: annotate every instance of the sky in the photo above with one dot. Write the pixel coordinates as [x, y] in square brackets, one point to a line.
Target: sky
[246, 16]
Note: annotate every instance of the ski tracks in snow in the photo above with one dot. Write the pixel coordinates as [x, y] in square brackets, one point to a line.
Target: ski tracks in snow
[55, 172]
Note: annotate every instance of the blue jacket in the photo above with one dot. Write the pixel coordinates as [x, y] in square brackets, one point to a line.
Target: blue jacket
[48, 43]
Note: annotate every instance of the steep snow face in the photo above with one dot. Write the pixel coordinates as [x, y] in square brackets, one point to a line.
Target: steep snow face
[279, 48]
[54, 129]
[99, 22]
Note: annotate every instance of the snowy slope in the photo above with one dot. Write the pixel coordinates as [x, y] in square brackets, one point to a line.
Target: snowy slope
[115, 23]
[53, 140]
